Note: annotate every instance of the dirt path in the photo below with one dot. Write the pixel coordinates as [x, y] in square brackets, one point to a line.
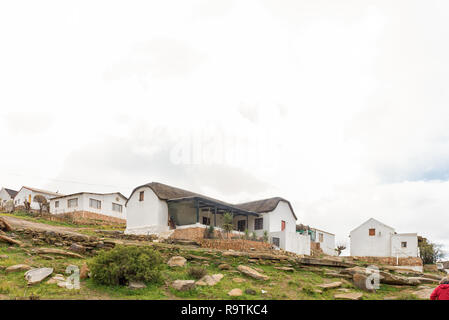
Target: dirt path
[25, 224]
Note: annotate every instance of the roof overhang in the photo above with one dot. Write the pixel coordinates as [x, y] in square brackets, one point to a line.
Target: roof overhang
[208, 203]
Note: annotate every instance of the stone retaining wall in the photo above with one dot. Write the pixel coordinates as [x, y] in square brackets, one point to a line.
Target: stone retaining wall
[392, 261]
[86, 217]
[234, 244]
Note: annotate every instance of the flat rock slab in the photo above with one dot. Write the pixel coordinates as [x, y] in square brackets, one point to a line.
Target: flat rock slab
[250, 272]
[177, 261]
[235, 292]
[424, 280]
[58, 252]
[18, 267]
[34, 276]
[332, 285]
[183, 285]
[224, 266]
[3, 256]
[210, 280]
[290, 269]
[136, 285]
[349, 296]
[423, 293]
[239, 280]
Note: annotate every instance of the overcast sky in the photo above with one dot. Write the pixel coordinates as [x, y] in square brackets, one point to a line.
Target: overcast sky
[339, 106]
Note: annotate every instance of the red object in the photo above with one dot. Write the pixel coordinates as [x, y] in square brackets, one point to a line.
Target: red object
[440, 293]
[283, 225]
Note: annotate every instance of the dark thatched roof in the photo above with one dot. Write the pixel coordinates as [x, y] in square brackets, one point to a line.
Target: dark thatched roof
[12, 193]
[264, 205]
[165, 192]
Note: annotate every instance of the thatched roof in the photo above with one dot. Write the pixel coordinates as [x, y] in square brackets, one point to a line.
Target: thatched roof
[12, 193]
[166, 192]
[264, 205]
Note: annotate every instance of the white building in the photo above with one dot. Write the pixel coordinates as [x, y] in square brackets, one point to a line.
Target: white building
[90, 205]
[156, 208]
[6, 195]
[27, 194]
[326, 241]
[375, 239]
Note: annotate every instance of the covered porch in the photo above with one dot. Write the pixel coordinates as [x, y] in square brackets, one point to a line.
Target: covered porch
[200, 211]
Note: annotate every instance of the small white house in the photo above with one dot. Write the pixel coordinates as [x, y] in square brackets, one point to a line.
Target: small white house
[156, 208]
[326, 241]
[27, 194]
[375, 239]
[6, 195]
[90, 205]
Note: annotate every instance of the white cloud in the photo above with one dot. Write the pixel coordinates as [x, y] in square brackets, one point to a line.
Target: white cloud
[351, 97]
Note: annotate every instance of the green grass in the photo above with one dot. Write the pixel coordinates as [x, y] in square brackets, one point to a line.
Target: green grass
[298, 285]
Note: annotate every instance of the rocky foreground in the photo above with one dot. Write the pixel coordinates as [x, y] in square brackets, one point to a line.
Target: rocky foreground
[36, 256]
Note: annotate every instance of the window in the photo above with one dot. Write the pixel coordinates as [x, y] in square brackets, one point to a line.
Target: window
[258, 224]
[282, 225]
[321, 237]
[404, 244]
[141, 195]
[276, 242]
[117, 207]
[71, 203]
[372, 232]
[56, 204]
[241, 225]
[206, 221]
[94, 204]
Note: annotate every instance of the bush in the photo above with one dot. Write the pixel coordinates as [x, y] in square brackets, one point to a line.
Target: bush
[123, 264]
[196, 272]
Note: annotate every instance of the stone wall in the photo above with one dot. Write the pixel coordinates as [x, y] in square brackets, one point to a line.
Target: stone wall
[392, 261]
[90, 244]
[234, 244]
[86, 217]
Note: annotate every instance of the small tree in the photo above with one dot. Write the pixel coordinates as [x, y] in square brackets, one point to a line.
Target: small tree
[265, 236]
[211, 232]
[246, 234]
[9, 206]
[340, 248]
[429, 252]
[228, 226]
[42, 201]
[254, 236]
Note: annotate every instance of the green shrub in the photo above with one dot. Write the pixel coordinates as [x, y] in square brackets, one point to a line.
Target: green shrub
[123, 264]
[196, 272]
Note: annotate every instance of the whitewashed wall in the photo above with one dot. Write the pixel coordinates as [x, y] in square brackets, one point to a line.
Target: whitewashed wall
[362, 244]
[23, 195]
[84, 204]
[146, 217]
[4, 196]
[328, 243]
[292, 242]
[412, 245]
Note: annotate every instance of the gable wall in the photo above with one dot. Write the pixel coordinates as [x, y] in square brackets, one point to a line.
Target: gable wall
[362, 244]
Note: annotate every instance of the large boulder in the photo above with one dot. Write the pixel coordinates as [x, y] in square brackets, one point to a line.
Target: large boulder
[177, 261]
[250, 272]
[34, 276]
[183, 285]
[362, 282]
